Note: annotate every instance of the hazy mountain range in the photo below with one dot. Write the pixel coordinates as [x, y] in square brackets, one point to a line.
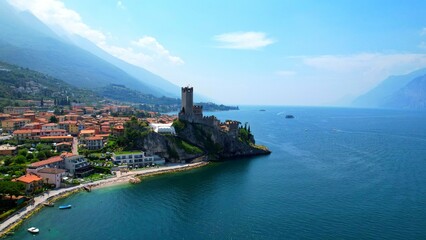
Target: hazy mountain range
[27, 42]
[405, 91]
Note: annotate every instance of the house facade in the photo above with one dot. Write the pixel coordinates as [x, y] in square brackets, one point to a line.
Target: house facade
[136, 159]
[31, 181]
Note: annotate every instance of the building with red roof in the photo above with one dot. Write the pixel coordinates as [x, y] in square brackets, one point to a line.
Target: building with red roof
[31, 181]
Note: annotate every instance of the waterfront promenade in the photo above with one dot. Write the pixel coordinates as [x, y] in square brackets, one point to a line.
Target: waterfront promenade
[120, 178]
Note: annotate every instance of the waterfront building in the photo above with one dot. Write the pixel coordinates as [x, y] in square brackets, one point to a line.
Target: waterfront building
[52, 176]
[31, 181]
[136, 159]
[75, 165]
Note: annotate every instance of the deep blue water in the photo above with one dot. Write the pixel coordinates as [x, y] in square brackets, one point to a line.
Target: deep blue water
[333, 174]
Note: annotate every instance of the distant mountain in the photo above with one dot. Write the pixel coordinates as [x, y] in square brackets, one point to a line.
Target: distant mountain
[388, 91]
[123, 94]
[27, 42]
[412, 96]
[154, 81]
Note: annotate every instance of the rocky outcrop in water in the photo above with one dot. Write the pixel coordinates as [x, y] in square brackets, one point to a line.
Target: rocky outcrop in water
[218, 144]
[170, 147]
[196, 142]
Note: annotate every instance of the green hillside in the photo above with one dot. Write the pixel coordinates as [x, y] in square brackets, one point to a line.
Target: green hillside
[18, 84]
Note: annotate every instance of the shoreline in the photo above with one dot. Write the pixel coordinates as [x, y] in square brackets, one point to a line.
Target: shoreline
[122, 178]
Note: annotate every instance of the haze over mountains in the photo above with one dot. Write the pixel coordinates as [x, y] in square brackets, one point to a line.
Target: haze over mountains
[27, 42]
[404, 91]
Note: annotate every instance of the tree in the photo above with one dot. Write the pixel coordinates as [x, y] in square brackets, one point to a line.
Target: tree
[53, 119]
[23, 152]
[56, 111]
[11, 188]
[7, 161]
[19, 159]
[41, 155]
[30, 156]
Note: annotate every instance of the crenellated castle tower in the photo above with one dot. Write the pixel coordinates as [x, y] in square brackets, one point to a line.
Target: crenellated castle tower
[194, 113]
[189, 111]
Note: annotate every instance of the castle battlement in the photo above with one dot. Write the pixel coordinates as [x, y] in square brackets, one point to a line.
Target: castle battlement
[194, 113]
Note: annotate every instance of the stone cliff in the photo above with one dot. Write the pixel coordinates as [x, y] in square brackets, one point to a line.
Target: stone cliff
[218, 144]
[171, 148]
[192, 142]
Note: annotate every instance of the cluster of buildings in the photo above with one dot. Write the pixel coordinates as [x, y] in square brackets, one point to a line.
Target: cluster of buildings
[53, 170]
[92, 131]
[82, 126]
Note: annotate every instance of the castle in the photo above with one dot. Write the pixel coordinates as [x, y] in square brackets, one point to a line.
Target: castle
[194, 113]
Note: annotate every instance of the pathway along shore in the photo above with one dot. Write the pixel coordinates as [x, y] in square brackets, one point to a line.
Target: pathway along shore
[17, 218]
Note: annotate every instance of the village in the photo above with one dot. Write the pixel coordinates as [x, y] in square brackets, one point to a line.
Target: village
[53, 149]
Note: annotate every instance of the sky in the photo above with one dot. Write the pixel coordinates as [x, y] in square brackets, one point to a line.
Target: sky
[257, 52]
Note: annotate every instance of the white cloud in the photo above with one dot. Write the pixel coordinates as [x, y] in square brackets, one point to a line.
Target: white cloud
[152, 45]
[423, 32]
[243, 40]
[285, 73]
[55, 14]
[121, 5]
[422, 45]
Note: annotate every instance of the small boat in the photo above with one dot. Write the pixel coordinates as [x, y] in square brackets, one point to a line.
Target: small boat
[289, 116]
[65, 206]
[262, 110]
[33, 230]
[49, 204]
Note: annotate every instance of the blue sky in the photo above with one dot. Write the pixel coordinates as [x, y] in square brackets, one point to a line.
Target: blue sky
[254, 52]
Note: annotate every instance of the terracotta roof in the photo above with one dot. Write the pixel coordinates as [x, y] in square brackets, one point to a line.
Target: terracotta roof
[63, 143]
[22, 131]
[102, 135]
[47, 161]
[29, 178]
[18, 119]
[67, 154]
[87, 131]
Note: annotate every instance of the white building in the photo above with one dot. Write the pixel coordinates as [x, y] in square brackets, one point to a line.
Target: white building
[52, 176]
[136, 159]
[163, 128]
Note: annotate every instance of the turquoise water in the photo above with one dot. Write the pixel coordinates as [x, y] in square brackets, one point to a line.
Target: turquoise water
[333, 174]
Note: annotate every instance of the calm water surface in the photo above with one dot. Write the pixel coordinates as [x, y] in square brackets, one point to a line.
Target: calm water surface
[333, 174]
